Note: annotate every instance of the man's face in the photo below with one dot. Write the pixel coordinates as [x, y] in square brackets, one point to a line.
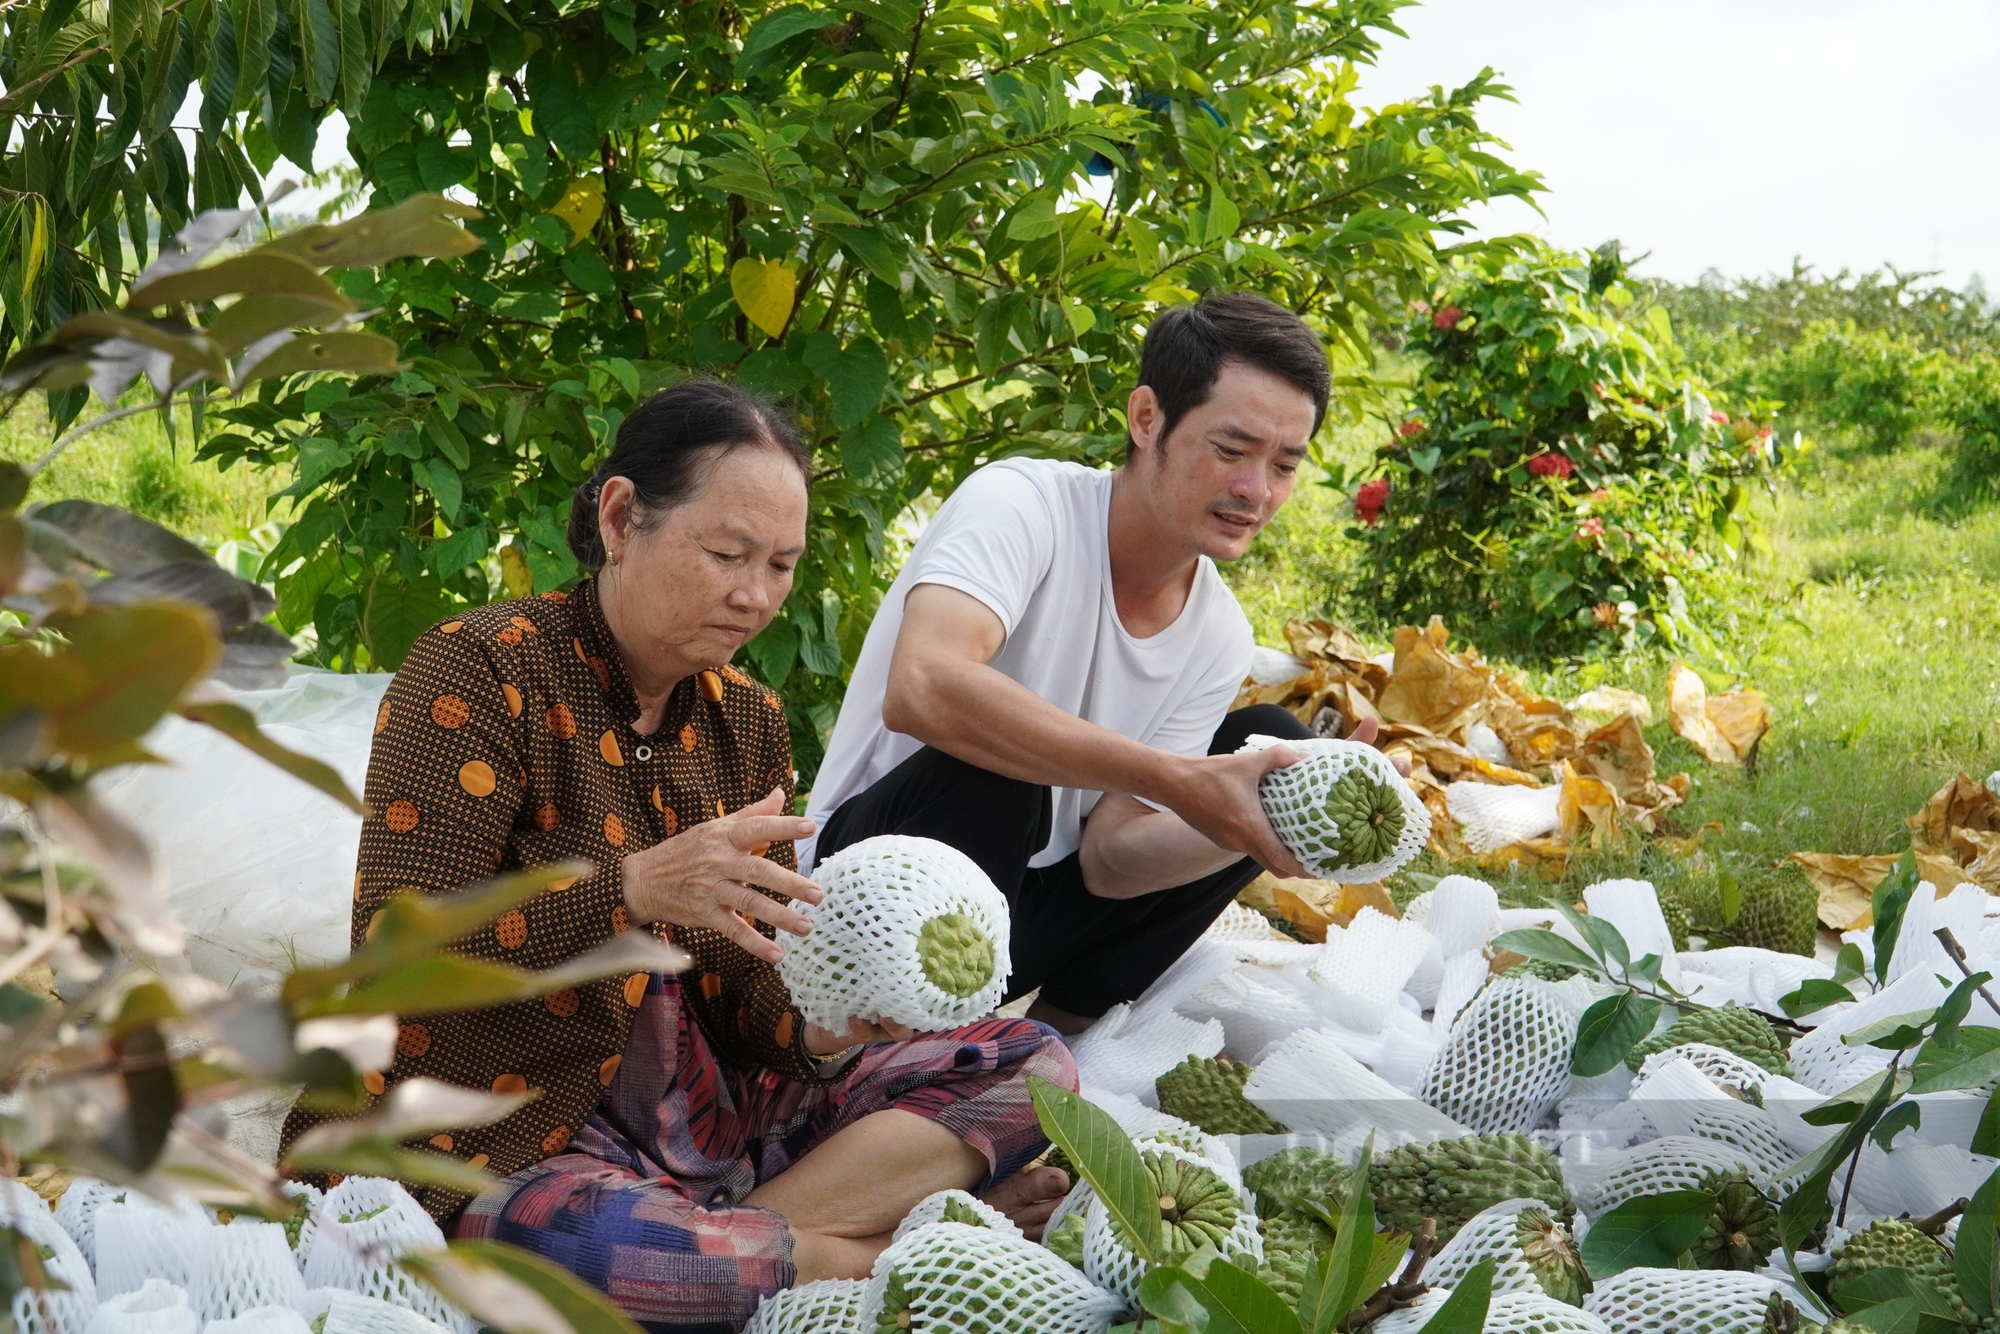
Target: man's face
[1229, 463]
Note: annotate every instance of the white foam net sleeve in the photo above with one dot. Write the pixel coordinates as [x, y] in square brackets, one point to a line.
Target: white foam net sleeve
[1253, 1014]
[1110, 1264]
[1753, 978]
[1602, 1179]
[1463, 913]
[931, 1208]
[309, 1225]
[1294, 799]
[257, 904]
[1681, 1301]
[157, 1307]
[1308, 1083]
[1492, 815]
[829, 1306]
[1721, 1066]
[1365, 966]
[263, 1320]
[141, 1239]
[957, 1277]
[1517, 1312]
[1491, 1234]
[69, 1310]
[76, 1212]
[1239, 921]
[353, 1313]
[244, 1266]
[1821, 1060]
[1464, 978]
[1506, 1063]
[1932, 907]
[1125, 1056]
[862, 959]
[1680, 1100]
[1916, 1179]
[1633, 907]
[365, 1223]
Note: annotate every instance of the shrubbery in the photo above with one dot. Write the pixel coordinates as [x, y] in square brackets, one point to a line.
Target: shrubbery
[1560, 475]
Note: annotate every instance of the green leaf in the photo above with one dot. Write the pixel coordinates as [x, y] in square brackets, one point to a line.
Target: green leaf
[877, 253]
[856, 376]
[1892, 1285]
[1986, 1135]
[1602, 938]
[240, 725]
[468, 546]
[118, 675]
[1730, 890]
[1354, 1266]
[1032, 220]
[1974, 1063]
[319, 40]
[1609, 1030]
[1813, 994]
[1464, 1312]
[1895, 1032]
[1889, 900]
[1548, 947]
[437, 477]
[1806, 1208]
[455, 982]
[1903, 1116]
[512, 1291]
[1238, 1302]
[1106, 1159]
[1978, 1230]
[369, 1156]
[781, 25]
[396, 614]
[1848, 965]
[348, 350]
[1647, 1232]
[1223, 217]
[1956, 1006]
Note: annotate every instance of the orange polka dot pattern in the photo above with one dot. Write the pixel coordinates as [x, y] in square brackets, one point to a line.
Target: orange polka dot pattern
[494, 751]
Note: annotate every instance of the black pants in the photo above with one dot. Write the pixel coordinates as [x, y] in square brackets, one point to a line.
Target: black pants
[1086, 953]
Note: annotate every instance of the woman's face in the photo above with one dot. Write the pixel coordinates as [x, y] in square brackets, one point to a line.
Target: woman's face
[691, 589]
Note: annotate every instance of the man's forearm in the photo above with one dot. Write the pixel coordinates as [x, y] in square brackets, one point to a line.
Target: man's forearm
[1130, 849]
[984, 717]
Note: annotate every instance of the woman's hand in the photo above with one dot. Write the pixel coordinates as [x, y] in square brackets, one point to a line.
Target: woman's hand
[709, 876]
[825, 1042]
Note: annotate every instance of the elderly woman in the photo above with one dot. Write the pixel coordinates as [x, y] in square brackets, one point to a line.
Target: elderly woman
[696, 1145]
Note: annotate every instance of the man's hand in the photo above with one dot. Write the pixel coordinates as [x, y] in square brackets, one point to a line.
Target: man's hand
[1217, 796]
[710, 874]
[825, 1042]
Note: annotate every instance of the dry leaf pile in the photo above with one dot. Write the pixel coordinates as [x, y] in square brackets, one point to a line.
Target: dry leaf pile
[1956, 840]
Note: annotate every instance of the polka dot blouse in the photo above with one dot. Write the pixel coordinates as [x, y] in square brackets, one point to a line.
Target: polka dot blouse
[506, 740]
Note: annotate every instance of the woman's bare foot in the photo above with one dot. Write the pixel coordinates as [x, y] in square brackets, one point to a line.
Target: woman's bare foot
[1029, 1197]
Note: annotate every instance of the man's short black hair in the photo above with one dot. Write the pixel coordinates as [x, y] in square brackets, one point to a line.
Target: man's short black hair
[1187, 345]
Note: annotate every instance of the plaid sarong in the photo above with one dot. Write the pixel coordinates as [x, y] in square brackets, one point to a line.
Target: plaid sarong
[644, 1203]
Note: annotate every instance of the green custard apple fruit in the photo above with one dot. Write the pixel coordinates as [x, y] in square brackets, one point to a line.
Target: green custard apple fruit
[1368, 813]
[1551, 1255]
[955, 954]
[1742, 1227]
[958, 1211]
[1454, 1179]
[1066, 1238]
[1197, 1207]
[1779, 914]
[1730, 1027]
[1293, 1244]
[1290, 1179]
[1900, 1244]
[1208, 1092]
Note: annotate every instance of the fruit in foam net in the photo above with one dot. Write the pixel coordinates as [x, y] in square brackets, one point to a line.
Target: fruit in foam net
[1293, 1243]
[955, 954]
[1454, 1179]
[1742, 1227]
[958, 1211]
[1291, 1179]
[1342, 808]
[1208, 1092]
[1897, 1243]
[1368, 814]
[1730, 1027]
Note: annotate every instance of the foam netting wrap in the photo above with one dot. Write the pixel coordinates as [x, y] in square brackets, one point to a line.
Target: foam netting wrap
[1605, 1179]
[862, 958]
[931, 1209]
[1294, 800]
[66, 1311]
[1110, 1264]
[157, 1307]
[244, 1266]
[1309, 1083]
[1681, 1301]
[352, 1313]
[1506, 1064]
[138, 1238]
[1239, 921]
[956, 1277]
[76, 1212]
[309, 1225]
[1679, 1099]
[1509, 1313]
[1491, 1234]
[263, 1320]
[830, 1306]
[1492, 815]
[365, 1223]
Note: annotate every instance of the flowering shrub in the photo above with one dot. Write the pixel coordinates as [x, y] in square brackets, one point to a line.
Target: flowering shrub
[1559, 475]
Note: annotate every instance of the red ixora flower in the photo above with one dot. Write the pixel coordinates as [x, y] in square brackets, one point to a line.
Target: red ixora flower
[1413, 426]
[1447, 318]
[1599, 494]
[1552, 465]
[1369, 500]
[1722, 418]
[1592, 527]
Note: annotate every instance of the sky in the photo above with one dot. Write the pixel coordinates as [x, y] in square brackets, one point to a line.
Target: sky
[1734, 134]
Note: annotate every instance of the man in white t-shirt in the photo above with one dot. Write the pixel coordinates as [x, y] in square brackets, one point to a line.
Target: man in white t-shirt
[1047, 684]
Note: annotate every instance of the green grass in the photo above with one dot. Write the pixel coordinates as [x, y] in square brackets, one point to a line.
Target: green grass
[1874, 633]
[133, 463]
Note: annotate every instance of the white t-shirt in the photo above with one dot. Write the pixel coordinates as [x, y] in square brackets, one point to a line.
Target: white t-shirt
[1030, 538]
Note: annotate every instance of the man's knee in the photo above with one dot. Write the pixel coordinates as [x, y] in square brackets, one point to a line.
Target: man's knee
[1239, 725]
